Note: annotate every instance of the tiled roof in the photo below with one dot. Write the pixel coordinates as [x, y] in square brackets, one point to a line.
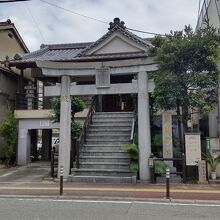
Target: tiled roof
[117, 26]
[78, 51]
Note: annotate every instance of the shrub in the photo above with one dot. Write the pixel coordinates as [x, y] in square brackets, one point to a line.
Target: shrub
[75, 129]
[159, 167]
[8, 130]
[77, 105]
[132, 149]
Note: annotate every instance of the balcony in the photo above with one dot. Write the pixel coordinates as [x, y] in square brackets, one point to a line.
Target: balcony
[32, 101]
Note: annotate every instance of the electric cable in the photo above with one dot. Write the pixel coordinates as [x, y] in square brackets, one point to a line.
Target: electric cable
[95, 19]
[35, 22]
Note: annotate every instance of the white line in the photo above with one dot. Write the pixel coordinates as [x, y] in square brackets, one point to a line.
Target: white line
[178, 204]
[117, 202]
[8, 174]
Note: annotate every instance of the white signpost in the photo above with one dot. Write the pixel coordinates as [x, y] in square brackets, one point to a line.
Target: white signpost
[193, 148]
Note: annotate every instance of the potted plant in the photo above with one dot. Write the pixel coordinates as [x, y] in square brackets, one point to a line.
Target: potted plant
[213, 161]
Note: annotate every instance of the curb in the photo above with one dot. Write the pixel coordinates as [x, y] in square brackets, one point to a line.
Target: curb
[97, 198]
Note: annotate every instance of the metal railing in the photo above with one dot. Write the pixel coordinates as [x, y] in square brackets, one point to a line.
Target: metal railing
[82, 137]
[132, 131]
[54, 163]
[183, 172]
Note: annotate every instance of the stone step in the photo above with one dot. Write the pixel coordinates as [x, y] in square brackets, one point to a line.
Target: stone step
[118, 153]
[108, 136]
[106, 147]
[109, 126]
[101, 172]
[130, 117]
[118, 120]
[103, 179]
[106, 159]
[109, 129]
[114, 113]
[107, 141]
[104, 165]
[108, 133]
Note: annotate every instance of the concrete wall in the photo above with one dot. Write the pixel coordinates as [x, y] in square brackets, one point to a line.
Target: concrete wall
[46, 113]
[9, 44]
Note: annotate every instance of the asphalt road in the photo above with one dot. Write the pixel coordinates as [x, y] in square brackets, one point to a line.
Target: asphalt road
[40, 209]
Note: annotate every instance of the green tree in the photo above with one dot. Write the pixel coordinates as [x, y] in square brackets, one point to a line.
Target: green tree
[77, 105]
[8, 130]
[187, 79]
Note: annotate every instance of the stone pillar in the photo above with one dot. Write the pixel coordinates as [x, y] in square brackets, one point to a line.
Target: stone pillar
[46, 143]
[28, 146]
[213, 123]
[144, 137]
[65, 126]
[22, 153]
[167, 137]
[34, 144]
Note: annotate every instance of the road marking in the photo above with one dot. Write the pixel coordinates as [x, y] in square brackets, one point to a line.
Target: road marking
[161, 190]
[8, 174]
[117, 202]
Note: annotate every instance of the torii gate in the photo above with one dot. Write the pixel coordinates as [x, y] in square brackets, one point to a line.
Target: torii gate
[142, 86]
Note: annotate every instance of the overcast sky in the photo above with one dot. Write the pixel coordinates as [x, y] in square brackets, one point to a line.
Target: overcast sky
[38, 22]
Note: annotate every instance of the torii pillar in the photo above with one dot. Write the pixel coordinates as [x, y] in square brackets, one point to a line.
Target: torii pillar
[65, 127]
[144, 136]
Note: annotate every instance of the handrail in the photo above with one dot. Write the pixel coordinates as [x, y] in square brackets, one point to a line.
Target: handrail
[82, 137]
[132, 131]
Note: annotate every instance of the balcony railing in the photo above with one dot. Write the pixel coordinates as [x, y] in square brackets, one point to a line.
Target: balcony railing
[30, 101]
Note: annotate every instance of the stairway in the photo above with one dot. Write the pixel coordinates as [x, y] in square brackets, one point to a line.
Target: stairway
[102, 159]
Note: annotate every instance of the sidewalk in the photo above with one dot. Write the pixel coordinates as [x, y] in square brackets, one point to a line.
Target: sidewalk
[138, 191]
[30, 181]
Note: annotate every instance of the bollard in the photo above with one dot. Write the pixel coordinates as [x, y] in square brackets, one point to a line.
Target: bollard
[61, 180]
[167, 182]
[52, 163]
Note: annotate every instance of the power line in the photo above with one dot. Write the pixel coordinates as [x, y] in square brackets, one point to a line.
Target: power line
[145, 32]
[35, 22]
[95, 19]
[73, 12]
[8, 1]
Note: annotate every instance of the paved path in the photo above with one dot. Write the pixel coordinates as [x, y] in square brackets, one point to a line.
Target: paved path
[107, 191]
[30, 181]
[33, 172]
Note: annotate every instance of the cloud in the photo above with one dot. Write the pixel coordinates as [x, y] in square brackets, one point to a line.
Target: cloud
[41, 23]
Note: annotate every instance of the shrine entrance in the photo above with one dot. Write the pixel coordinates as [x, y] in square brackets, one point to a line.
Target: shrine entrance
[117, 103]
